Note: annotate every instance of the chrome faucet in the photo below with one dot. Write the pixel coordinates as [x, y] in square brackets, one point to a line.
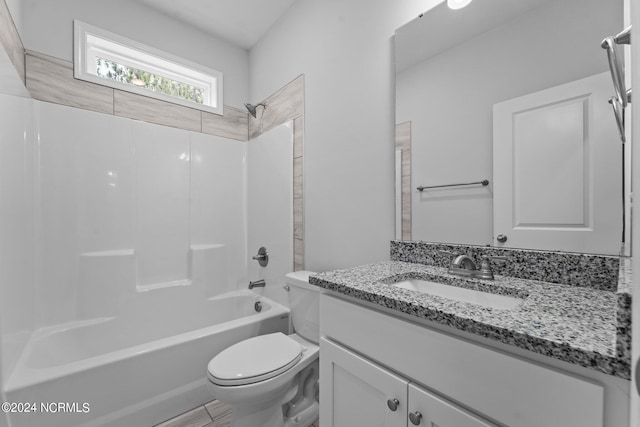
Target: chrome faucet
[462, 262]
[463, 265]
[257, 284]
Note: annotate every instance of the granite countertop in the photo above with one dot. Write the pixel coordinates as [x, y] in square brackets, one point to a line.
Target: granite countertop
[580, 325]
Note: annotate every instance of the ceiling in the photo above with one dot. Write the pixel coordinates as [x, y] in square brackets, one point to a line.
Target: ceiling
[441, 28]
[240, 22]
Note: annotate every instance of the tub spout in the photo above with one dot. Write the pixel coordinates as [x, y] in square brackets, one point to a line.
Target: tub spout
[257, 284]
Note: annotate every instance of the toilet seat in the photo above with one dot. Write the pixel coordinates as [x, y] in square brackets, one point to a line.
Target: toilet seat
[255, 359]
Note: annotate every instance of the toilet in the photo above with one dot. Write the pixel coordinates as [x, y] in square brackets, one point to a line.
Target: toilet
[272, 380]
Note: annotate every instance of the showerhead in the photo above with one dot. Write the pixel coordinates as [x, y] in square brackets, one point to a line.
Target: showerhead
[252, 108]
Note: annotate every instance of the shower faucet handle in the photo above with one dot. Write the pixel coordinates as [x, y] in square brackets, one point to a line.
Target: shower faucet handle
[262, 257]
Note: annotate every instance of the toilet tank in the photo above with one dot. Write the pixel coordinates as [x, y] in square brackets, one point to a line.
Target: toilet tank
[304, 302]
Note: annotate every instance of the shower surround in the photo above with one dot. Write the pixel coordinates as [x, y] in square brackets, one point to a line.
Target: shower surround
[140, 251]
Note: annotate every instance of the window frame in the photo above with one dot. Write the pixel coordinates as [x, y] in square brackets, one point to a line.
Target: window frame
[91, 42]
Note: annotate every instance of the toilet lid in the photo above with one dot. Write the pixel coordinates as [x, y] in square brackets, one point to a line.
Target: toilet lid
[255, 359]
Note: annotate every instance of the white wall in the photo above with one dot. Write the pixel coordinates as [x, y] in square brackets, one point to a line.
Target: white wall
[218, 205]
[4, 419]
[16, 221]
[16, 228]
[270, 208]
[47, 28]
[17, 263]
[345, 51]
[554, 44]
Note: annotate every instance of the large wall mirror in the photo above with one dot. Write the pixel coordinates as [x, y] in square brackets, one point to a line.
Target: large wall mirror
[508, 92]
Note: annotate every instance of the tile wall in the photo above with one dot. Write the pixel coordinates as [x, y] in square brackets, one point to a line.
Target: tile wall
[403, 144]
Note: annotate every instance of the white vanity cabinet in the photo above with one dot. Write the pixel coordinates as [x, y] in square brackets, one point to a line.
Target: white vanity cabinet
[369, 357]
[357, 392]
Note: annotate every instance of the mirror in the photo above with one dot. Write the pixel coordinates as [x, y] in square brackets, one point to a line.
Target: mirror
[452, 67]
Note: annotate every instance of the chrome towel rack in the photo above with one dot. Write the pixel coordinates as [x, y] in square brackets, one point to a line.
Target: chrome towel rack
[484, 183]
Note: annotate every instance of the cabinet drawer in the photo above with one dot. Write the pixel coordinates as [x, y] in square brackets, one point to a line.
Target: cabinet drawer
[510, 390]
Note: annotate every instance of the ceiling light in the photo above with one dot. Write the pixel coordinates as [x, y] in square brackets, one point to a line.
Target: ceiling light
[457, 4]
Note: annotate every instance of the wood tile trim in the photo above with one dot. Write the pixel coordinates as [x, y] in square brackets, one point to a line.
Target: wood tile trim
[298, 193]
[10, 39]
[403, 143]
[134, 106]
[298, 137]
[234, 124]
[51, 79]
[284, 105]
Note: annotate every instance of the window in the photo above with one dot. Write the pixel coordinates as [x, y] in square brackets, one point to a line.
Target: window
[108, 59]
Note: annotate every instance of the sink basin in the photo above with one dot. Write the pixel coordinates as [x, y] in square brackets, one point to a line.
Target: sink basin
[460, 294]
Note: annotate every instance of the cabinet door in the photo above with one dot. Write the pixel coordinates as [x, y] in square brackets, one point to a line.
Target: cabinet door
[355, 392]
[426, 409]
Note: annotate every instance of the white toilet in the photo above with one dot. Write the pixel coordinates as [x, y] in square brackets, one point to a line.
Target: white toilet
[271, 380]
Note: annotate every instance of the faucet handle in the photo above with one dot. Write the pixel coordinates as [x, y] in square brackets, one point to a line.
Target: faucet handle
[489, 258]
[441, 252]
[262, 257]
[485, 267]
[496, 258]
[453, 255]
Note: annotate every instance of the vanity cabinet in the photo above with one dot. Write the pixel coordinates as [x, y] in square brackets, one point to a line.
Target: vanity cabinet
[358, 392]
[369, 356]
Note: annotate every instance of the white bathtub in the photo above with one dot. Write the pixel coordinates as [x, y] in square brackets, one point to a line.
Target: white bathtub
[133, 370]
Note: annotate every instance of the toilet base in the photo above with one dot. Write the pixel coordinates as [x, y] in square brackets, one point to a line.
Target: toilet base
[297, 407]
[305, 419]
[268, 415]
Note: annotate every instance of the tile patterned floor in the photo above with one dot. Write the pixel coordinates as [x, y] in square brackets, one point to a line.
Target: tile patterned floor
[212, 414]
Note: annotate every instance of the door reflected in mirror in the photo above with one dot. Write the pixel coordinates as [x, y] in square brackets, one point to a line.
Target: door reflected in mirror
[452, 68]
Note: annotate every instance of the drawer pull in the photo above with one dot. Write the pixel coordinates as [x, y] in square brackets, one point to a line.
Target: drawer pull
[393, 404]
[415, 418]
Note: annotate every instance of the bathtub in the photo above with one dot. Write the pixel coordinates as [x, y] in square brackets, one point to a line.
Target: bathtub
[132, 370]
